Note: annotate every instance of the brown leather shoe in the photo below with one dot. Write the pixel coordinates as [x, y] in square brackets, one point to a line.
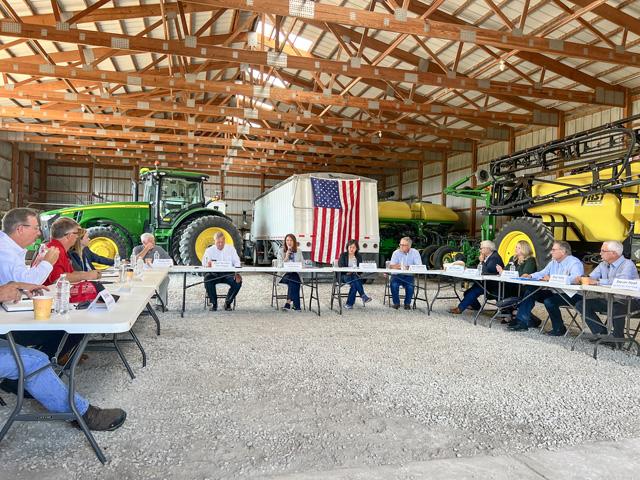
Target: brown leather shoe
[455, 311]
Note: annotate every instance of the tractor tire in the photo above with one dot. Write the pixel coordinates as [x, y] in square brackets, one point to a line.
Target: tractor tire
[107, 241]
[442, 255]
[198, 235]
[175, 244]
[531, 230]
[427, 255]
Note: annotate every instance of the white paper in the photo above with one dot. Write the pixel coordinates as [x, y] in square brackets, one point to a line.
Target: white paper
[509, 274]
[109, 302]
[162, 263]
[368, 266]
[292, 265]
[626, 284]
[559, 279]
[417, 268]
[454, 268]
[221, 265]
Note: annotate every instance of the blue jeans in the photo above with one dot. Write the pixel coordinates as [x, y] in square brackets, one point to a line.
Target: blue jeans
[405, 281]
[45, 386]
[599, 305]
[355, 287]
[293, 282]
[212, 279]
[552, 302]
[470, 298]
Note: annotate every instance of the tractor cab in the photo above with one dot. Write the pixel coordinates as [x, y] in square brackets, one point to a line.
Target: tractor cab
[170, 193]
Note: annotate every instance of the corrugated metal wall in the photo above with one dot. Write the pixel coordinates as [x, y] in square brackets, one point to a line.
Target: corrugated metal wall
[5, 176]
[459, 165]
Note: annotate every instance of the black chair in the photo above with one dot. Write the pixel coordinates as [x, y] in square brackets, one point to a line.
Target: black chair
[505, 308]
[207, 301]
[275, 295]
[572, 314]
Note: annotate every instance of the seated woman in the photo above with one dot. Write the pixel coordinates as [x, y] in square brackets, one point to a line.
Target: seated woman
[352, 258]
[82, 257]
[292, 280]
[524, 263]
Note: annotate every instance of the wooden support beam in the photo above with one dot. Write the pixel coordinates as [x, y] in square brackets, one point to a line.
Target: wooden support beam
[400, 180]
[474, 183]
[445, 31]
[420, 179]
[20, 191]
[15, 165]
[42, 181]
[32, 176]
[444, 180]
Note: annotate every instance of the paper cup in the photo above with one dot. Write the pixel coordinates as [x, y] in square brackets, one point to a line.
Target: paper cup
[42, 307]
[129, 274]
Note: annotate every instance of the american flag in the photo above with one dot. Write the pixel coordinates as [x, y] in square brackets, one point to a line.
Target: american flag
[336, 217]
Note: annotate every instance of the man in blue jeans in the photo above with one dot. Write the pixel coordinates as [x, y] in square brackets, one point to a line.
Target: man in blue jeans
[45, 386]
[400, 260]
[490, 259]
[562, 263]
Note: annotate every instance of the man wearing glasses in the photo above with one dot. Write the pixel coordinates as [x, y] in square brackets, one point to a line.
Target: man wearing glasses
[64, 233]
[562, 263]
[20, 229]
[612, 266]
[400, 260]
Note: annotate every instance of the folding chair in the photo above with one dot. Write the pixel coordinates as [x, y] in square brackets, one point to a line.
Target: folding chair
[275, 295]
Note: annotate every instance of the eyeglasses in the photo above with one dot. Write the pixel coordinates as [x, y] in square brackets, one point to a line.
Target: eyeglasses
[404, 244]
[606, 251]
[35, 227]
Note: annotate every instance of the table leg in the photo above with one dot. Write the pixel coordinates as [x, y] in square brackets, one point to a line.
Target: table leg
[154, 315]
[121, 355]
[162, 305]
[144, 354]
[184, 293]
[20, 396]
[484, 302]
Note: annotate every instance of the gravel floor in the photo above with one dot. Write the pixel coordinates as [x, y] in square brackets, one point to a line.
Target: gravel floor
[256, 392]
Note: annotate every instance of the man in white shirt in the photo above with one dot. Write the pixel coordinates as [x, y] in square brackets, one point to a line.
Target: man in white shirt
[20, 228]
[219, 252]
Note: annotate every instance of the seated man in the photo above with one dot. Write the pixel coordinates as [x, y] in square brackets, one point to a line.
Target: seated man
[562, 263]
[223, 253]
[45, 386]
[147, 252]
[490, 260]
[401, 259]
[613, 266]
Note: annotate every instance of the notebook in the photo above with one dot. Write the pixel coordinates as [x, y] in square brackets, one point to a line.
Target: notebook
[21, 306]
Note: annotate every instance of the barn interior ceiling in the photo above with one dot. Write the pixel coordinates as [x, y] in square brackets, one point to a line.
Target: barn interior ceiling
[276, 87]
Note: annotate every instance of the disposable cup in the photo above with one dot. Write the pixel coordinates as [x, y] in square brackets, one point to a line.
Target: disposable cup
[129, 274]
[42, 307]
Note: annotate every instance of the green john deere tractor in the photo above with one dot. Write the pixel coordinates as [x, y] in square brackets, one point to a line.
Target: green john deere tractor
[173, 208]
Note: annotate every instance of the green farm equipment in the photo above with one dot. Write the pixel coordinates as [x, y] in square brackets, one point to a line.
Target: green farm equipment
[173, 209]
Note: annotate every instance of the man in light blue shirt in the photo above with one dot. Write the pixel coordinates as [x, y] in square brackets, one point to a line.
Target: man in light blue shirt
[562, 263]
[400, 260]
[20, 228]
[612, 266]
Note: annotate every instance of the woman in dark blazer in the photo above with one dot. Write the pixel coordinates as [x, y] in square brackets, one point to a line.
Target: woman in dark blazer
[81, 256]
[352, 258]
[290, 253]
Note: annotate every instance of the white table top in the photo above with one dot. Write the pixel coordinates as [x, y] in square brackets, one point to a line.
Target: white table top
[251, 269]
[118, 320]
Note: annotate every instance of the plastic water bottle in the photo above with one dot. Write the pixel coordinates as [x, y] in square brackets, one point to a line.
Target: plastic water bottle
[480, 268]
[116, 261]
[63, 288]
[402, 264]
[139, 268]
[133, 260]
[156, 257]
[512, 267]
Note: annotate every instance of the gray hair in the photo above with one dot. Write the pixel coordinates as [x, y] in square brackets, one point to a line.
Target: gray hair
[564, 246]
[614, 246]
[218, 235]
[488, 244]
[407, 239]
[16, 217]
[145, 237]
[63, 226]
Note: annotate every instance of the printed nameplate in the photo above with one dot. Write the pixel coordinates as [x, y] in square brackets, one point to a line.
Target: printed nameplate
[509, 274]
[560, 279]
[472, 272]
[417, 268]
[221, 264]
[162, 263]
[368, 266]
[454, 268]
[292, 265]
[626, 284]
[107, 298]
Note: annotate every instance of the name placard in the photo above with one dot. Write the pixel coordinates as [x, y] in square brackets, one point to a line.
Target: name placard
[626, 284]
[368, 265]
[454, 268]
[162, 263]
[560, 279]
[417, 268]
[107, 298]
[292, 265]
[221, 264]
[472, 272]
[509, 274]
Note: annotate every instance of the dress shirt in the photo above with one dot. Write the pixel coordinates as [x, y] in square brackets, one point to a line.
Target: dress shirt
[622, 268]
[491, 262]
[412, 257]
[227, 254]
[62, 265]
[570, 266]
[13, 267]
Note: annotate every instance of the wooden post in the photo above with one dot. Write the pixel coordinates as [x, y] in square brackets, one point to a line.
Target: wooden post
[443, 180]
[32, 175]
[400, 175]
[15, 154]
[474, 183]
[512, 142]
[20, 191]
[42, 186]
[561, 134]
[221, 185]
[262, 183]
[420, 179]
[90, 186]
